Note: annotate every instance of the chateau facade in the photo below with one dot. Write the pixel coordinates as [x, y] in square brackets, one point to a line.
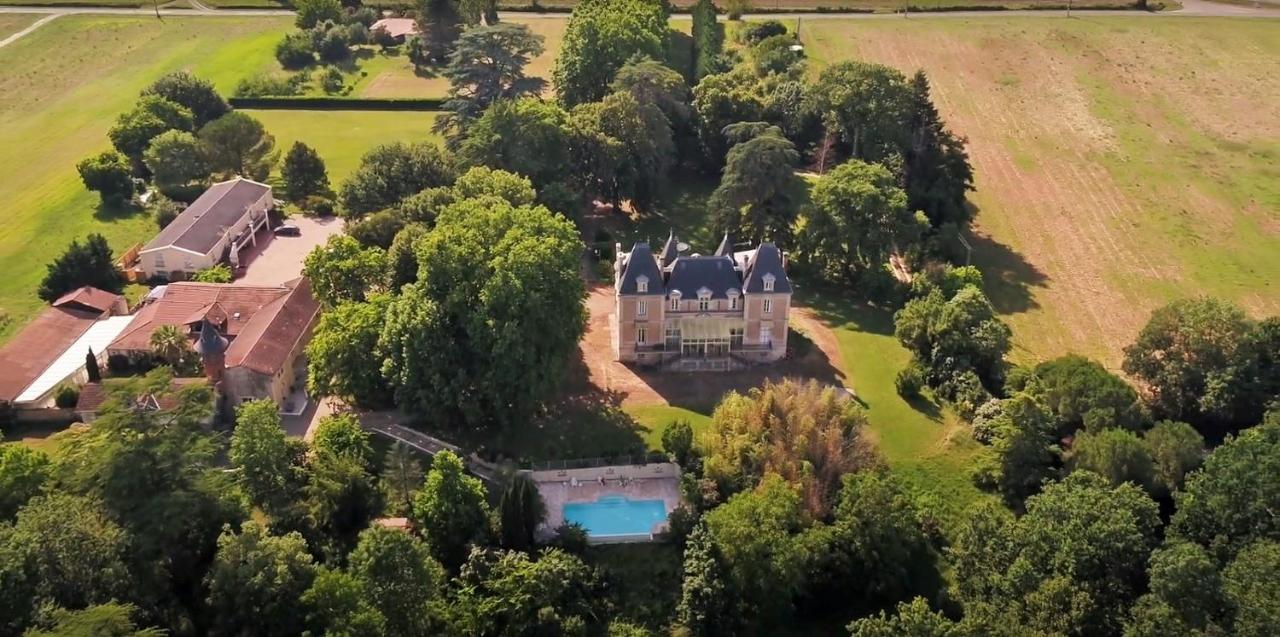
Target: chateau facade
[695, 312]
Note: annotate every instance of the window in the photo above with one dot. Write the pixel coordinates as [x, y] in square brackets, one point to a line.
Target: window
[768, 283]
[159, 260]
[768, 306]
[187, 264]
[642, 308]
[675, 303]
[673, 337]
[642, 285]
[642, 335]
[733, 299]
[735, 337]
[704, 304]
[766, 335]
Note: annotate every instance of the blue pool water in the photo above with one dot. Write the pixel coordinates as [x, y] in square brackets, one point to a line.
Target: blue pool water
[616, 515]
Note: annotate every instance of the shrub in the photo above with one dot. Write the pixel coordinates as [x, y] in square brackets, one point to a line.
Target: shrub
[318, 205]
[364, 16]
[217, 274]
[571, 538]
[358, 34]
[296, 51]
[965, 391]
[986, 419]
[382, 38]
[164, 210]
[756, 32]
[67, 396]
[909, 381]
[269, 85]
[333, 46]
[331, 80]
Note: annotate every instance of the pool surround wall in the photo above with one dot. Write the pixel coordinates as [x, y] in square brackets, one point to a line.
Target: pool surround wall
[657, 481]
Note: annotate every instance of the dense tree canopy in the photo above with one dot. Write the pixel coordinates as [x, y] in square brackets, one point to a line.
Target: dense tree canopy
[179, 164]
[1081, 393]
[398, 577]
[487, 65]
[342, 355]
[237, 144]
[303, 173]
[109, 175]
[82, 264]
[601, 36]
[23, 473]
[524, 136]
[626, 147]
[134, 130]
[868, 105]
[451, 509]
[459, 342]
[391, 172]
[343, 271]
[195, 94]
[256, 580]
[955, 335]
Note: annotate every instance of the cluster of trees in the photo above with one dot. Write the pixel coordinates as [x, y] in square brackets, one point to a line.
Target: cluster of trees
[88, 263]
[326, 32]
[434, 299]
[180, 133]
[134, 530]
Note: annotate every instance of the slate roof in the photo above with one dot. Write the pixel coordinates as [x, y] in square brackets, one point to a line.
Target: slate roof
[199, 228]
[766, 259]
[641, 263]
[726, 247]
[690, 274]
[670, 250]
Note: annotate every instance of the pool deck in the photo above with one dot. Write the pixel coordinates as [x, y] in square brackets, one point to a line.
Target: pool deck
[659, 481]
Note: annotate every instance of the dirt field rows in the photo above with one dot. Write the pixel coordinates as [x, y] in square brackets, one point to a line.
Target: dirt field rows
[1119, 162]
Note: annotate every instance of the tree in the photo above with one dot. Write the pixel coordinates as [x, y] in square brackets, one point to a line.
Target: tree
[391, 172]
[913, 618]
[1186, 348]
[487, 65]
[704, 599]
[719, 101]
[333, 48]
[72, 550]
[303, 173]
[858, 219]
[296, 51]
[23, 474]
[524, 136]
[480, 181]
[440, 24]
[642, 154]
[508, 594]
[1176, 450]
[1081, 393]
[92, 371]
[1250, 585]
[868, 105]
[936, 167]
[398, 577]
[110, 176]
[193, 93]
[806, 433]
[263, 457]
[1072, 565]
[1231, 501]
[875, 552]
[377, 230]
[652, 82]
[401, 477]
[677, 441]
[179, 164]
[708, 39]
[342, 435]
[952, 335]
[755, 533]
[756, 196]
[340, 499]
[601, 36]
[238, 144]
[342, 355]
[170, 344]
[1115, 454]
[255, 581]
[134, 130]
[219, 273]
[520, 512]
[344, 271]
[1023, 457]
[456, 342]
[337, 606]
[82, 264]
[402, 257]
[313, 12]
[451, 509]
[103, 620]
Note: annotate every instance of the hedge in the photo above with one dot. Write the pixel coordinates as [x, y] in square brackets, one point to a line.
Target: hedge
[326, 103]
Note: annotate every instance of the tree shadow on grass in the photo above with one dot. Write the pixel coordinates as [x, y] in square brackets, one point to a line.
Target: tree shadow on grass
[110, 214]
[838, 307]
[1007, 275]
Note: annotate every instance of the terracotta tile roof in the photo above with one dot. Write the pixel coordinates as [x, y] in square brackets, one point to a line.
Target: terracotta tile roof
[208, 218]
[265, 324]
[93, 395]
[38, 345]
[183, 302]
[275, 332]
[88, 298]
[396, 27]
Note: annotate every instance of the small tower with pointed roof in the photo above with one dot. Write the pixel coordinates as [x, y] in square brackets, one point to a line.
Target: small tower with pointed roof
[212, 348]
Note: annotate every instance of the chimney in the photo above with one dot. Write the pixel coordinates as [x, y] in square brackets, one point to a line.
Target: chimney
[617, 260]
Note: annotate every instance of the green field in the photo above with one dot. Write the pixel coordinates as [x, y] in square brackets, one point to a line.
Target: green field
[12, 23]
[56, 111]
[1120, 162]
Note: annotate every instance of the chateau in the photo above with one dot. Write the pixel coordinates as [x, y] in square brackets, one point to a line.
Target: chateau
[695, 312]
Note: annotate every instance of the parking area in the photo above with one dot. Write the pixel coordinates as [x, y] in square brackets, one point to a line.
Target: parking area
[277, 259]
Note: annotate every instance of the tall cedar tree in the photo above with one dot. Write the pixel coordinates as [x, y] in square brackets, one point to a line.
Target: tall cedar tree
[756, 196]
[937, 167]
[303, 173]
[440, 24]
[87, 263]
[487, 65]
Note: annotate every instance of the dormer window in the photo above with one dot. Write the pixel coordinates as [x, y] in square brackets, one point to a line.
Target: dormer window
[675, 301]
[768, 282]
[642, 284]
[704, 300]
[733, 299]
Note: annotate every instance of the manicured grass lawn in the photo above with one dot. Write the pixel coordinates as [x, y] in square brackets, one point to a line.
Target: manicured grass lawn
[926, 445]
[1120, 162]
[343, 137]
[56, 110]
[653, 418]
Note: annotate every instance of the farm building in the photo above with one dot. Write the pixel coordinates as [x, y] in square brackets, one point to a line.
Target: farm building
[398, 28]
[214, 228]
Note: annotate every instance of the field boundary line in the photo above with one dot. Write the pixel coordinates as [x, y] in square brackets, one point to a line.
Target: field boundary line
[35, 25]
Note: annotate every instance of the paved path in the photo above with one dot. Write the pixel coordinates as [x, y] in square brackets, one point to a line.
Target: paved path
[384, 422]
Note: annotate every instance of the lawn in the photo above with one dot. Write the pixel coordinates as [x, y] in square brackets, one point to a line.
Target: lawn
[342, 137]
[57, 109]
[1120, 162]
[11, 23]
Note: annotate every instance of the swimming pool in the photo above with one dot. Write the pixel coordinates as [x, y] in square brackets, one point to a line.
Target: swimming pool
[614, 515]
